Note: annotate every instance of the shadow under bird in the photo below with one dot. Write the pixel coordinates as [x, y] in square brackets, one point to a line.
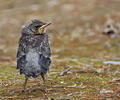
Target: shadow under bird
[33, 55]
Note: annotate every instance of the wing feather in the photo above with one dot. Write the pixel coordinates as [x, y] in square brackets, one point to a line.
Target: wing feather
[21, 56]
[45, 48]
[44, 55]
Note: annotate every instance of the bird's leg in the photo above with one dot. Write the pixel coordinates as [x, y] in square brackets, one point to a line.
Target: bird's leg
[42, 75]
[46, 97]
[25, 83]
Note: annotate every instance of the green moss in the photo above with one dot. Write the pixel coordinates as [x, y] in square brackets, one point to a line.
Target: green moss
[72, 43]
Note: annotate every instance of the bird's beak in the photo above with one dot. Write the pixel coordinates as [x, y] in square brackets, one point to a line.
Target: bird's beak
[44, 26]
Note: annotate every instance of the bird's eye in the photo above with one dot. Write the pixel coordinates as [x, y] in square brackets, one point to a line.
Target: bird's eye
[37, 27]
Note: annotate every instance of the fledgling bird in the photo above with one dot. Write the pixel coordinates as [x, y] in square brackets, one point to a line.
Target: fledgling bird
[33, 55]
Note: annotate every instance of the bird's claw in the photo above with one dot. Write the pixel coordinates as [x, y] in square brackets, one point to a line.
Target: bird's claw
[23, 90]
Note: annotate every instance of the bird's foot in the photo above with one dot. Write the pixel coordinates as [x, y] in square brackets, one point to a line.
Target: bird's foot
[23, 90]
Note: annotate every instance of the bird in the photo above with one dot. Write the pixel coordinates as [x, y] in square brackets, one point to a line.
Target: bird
[34, 52]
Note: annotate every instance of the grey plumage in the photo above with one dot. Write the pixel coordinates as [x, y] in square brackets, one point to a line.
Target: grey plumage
[33, 56]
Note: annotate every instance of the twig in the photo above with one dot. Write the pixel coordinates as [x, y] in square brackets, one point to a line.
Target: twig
[65, 71]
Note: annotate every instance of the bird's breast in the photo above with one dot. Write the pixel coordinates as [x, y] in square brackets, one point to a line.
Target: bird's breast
[32, 58]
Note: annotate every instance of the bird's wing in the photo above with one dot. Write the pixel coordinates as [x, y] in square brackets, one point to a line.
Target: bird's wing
[21, 49]
[44, 55]
[21, 57]
[44, 63]
[45, 48]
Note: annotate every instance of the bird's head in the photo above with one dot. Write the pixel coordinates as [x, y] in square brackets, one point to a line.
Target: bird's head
[35, 27]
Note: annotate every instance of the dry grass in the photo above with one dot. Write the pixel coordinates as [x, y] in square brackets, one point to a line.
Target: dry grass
[76, 41]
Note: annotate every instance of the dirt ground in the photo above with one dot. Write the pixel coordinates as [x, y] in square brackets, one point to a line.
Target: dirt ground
[77, 42]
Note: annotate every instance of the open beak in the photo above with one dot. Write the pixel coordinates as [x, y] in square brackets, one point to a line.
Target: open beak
[44, 26]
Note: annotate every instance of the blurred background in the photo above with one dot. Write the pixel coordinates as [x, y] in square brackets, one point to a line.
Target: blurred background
[72, 21]
[77, 41]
